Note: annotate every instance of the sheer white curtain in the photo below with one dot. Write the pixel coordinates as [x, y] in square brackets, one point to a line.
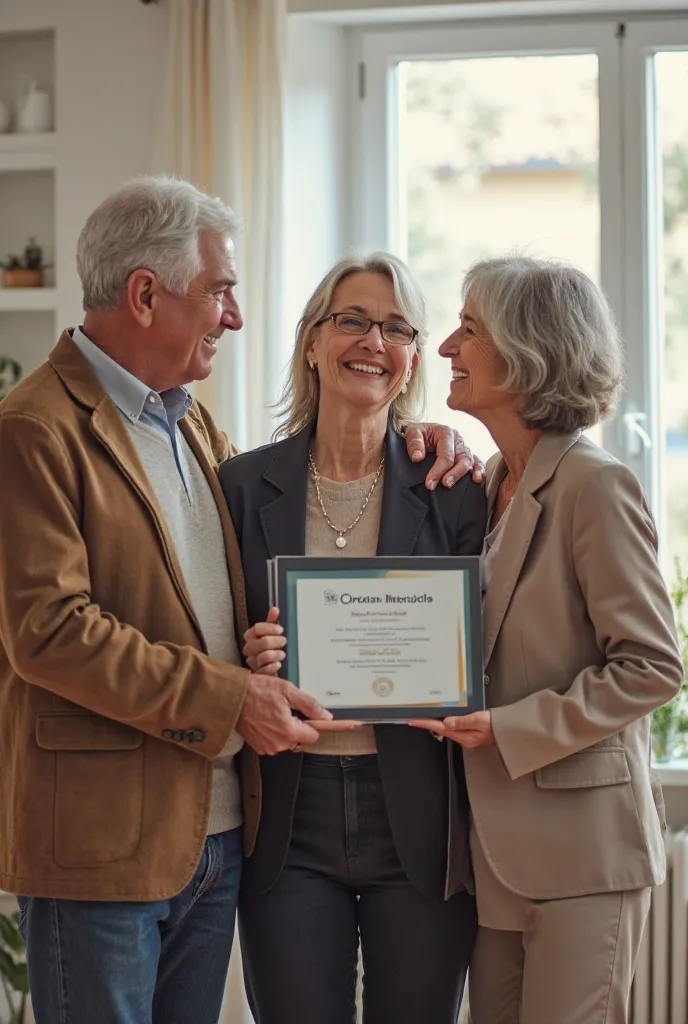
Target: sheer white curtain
[221, 128]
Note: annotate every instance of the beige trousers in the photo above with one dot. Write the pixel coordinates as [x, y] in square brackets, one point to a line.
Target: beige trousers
[574, 964]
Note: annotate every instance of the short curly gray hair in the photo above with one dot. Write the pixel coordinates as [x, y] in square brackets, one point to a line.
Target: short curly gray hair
[556, 333]
[152, 222]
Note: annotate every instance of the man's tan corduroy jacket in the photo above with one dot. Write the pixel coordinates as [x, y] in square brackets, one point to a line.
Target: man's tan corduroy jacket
[110, 711]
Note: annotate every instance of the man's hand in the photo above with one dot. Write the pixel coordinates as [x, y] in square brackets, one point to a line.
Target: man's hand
[263, 645]
[469, 731]
[266, 721]
[454, 458]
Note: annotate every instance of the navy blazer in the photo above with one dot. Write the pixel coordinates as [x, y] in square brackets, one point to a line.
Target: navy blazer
[423, 780]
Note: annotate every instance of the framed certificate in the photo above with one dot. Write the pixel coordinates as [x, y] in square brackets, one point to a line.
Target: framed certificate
[383, 639]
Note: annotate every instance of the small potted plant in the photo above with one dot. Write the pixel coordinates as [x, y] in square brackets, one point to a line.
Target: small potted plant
[669, 721]
[14, 978]
[10, 372]
[24, 271]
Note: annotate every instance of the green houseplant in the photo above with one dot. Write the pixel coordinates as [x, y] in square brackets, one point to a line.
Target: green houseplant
[10, 372]
[14, 979]
[670, 721]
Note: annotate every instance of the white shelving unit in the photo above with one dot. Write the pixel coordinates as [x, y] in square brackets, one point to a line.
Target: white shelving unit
[27, 300]
[28, 176]
[27, 152]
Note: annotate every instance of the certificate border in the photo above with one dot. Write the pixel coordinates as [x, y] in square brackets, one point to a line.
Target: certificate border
[280, 568]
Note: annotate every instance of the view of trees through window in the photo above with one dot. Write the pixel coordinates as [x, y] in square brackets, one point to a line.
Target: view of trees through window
[671, 86]
[501, 154]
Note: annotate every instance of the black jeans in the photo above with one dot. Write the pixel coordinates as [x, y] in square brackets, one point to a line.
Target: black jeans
[342, 881]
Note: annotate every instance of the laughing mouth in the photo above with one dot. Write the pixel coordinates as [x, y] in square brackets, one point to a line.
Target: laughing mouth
[374, 371]
[458, 374]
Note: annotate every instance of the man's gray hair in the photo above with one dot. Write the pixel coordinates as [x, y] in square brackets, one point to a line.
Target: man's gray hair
[556, 333]
[151, 222]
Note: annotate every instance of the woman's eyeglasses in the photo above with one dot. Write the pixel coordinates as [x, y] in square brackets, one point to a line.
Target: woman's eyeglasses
[393, 332]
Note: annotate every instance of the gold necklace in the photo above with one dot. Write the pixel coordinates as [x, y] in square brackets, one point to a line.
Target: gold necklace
[341, 539]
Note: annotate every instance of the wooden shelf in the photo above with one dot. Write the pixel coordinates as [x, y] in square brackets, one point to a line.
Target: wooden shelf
[27, 300]
[27, 151]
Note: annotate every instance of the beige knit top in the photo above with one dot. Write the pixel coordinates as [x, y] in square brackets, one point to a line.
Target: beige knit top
[343, 503]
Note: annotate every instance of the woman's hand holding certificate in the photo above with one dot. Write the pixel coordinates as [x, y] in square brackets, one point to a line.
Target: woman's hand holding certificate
[264, 652]
[263, 645]
[469, 731]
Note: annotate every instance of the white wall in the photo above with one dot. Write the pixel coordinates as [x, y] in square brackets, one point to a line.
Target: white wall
[109, 62]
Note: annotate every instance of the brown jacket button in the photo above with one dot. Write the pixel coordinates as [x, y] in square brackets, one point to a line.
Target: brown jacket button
[194, 736]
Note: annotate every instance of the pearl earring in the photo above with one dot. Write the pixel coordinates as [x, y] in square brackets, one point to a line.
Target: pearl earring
[404, 386]
[311, 364]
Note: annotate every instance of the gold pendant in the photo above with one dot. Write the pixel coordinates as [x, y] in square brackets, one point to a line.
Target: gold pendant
[340, 541]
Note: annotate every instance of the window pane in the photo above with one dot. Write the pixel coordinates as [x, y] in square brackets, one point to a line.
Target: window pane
[671, 89]
[496, 155]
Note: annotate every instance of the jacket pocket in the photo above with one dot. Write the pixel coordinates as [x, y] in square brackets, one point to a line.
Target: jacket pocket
[98, 787]
[607, 766]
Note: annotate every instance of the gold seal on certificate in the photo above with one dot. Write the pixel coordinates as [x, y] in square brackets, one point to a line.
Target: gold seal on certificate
[383, 687]
[385, 638]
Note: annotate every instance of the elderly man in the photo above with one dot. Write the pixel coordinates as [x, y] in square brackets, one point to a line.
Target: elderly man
[123, 703]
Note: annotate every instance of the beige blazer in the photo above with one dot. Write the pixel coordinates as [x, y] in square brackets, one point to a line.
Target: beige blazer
[579, 646]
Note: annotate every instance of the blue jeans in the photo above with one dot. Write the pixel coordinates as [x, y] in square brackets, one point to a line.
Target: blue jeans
[163, 962]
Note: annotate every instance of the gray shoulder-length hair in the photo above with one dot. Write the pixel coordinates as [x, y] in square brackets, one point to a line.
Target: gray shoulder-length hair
[299, 400]
[556, 333]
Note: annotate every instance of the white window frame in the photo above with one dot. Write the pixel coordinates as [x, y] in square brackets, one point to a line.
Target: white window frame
[642, 310]
[627, 175]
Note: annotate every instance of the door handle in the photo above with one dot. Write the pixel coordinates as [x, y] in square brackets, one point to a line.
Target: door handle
[638, 441]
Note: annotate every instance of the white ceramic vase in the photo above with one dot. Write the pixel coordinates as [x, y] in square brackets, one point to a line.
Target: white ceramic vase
[34, 109]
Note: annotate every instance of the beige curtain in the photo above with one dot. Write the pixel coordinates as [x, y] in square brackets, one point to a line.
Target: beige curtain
[221, 128]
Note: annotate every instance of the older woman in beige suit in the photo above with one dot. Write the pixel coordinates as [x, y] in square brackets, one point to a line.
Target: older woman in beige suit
[579, 648]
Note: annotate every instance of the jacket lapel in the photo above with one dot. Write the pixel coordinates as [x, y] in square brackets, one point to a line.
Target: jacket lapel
[109, 430]
[519, 529]
[234, 563]
[284, 518]
[403, 513]
[107, 427]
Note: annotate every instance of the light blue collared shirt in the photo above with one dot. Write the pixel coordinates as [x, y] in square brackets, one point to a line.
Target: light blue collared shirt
[136, 401]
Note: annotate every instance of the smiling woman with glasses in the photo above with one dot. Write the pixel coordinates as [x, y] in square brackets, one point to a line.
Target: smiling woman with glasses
[363, 836]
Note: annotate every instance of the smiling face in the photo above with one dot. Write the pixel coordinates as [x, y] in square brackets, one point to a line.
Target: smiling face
[478, 369]
[361, 371]
[188, 327]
